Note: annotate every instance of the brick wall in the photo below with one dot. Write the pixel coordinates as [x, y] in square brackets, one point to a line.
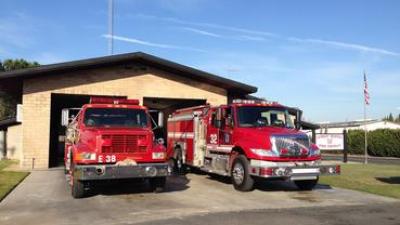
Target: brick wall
[14, 142]
[134, 82]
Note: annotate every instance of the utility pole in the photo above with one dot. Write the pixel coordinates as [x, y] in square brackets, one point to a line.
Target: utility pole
[110, 27]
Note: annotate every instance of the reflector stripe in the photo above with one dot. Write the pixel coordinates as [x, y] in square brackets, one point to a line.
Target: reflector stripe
[185, 135]
[305, 170]
[181, 118]
[221, 148]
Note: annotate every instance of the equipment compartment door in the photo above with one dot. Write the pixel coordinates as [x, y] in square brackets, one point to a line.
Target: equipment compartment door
[199, 141]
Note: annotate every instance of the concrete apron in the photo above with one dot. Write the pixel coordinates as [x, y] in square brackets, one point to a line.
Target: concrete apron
[44, 198]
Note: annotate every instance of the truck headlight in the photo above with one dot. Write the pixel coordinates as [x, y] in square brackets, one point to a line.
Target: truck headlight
[314, 150]
[264, 152]
[86, 155]
[158, 155]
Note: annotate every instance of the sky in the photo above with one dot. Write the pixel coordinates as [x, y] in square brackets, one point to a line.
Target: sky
[307, 54]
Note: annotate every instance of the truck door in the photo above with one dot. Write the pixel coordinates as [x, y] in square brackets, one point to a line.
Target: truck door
[219, 136]
[212, 128]
[225, 131]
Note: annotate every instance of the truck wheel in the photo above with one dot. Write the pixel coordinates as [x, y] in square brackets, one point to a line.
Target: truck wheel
[241, 179]
[157, 184]
[306, 184]
[172, 167]
[77, 188]
[179, 167]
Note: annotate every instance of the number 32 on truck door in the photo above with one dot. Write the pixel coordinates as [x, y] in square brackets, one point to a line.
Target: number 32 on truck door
[213, 138]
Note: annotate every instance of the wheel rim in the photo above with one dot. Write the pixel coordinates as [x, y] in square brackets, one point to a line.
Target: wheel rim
[171, 165]
[179, 163]
[238, 173]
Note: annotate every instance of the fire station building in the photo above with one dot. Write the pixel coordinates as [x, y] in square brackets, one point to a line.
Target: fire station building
[35, 135]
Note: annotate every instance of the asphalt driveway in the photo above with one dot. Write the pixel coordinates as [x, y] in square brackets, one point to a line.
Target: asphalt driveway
[44, 198]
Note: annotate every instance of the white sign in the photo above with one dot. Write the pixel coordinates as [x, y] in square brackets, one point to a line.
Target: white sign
[330, 141]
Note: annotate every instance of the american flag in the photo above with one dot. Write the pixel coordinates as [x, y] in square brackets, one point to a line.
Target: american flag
[366, 93]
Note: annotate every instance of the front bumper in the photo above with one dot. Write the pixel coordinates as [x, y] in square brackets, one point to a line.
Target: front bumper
[292, 170]
[107, 172]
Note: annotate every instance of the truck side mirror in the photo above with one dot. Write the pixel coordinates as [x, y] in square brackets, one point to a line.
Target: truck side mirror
[218, 119]
[160, 123]
[64, 117]
[229, 121]
[298, 119]
[218, 123]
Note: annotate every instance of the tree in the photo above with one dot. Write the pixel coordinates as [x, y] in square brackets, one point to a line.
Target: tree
[390, 118]
[8, 102]
[15, 64]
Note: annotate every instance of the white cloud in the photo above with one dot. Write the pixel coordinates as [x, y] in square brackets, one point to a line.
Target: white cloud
[328, 43]
[209, 25]
[362, 48]
[231, 37]
[202, 32]
[151, 44]
[251, 38]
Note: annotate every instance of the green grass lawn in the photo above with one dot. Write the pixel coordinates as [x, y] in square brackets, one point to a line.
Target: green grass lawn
[373, 178]
[9, 179]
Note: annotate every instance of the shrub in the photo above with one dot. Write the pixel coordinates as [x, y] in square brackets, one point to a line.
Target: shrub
[381, 142]
[355, 141]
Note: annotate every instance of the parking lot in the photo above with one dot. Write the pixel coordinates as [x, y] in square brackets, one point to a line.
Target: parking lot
[44, 198]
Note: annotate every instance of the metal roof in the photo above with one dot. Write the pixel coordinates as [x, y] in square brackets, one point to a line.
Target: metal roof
[355, 123]
[140, 57]
[4, 123]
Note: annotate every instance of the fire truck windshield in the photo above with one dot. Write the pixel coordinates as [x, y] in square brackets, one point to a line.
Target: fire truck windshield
[115, 117]
[261, 116]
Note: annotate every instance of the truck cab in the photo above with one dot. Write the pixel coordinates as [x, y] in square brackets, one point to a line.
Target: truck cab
[112, 139]
[247, 140]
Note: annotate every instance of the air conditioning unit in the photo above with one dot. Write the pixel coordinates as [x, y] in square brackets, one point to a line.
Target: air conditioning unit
[19, 114]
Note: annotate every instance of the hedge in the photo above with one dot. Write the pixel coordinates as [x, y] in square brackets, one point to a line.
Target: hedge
[381, 142]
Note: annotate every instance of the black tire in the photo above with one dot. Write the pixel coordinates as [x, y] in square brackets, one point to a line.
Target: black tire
[157, 184]
[78, 189]
[241, 178]
[306, 185]
[179, 167]
[172, 167]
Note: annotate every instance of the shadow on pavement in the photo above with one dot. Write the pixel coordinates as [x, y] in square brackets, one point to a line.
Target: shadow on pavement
[267, 185]
[136, 186]
[389, 180]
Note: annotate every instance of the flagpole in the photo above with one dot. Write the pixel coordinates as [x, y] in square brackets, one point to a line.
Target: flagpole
[365, 135]
[365, 126]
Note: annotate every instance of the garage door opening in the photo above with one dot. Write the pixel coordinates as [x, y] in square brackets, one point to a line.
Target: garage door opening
[168, 106]
[57, 132]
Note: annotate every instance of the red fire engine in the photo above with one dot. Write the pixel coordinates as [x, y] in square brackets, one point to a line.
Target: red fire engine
[245, 140]
[112, 139]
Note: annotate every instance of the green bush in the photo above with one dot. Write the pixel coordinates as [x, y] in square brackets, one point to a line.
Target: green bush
[355, 141]
[381, 142]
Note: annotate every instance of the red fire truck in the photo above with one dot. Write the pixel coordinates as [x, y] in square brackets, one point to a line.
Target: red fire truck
[112, 139]
[246, 140]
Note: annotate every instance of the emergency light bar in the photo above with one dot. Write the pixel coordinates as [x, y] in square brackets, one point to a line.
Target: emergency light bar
[111, 100]
[247, 101]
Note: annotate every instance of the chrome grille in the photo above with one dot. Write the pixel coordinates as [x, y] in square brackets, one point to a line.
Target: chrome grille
[293, 143]
[123, 144]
